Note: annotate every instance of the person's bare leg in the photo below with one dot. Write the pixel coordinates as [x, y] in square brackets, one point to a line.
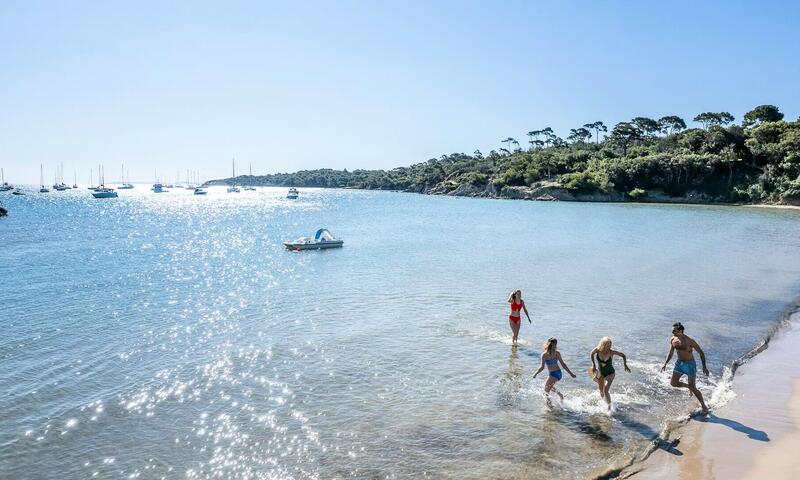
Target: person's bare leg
[675, 381]
[601, 385]
[550, 384]
[514, 330]
[693, 388]
[607, 391]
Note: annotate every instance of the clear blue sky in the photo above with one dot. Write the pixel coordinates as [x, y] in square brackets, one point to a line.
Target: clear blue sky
[340, 84]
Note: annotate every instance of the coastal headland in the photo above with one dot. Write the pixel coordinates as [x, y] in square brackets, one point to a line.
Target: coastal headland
[641, 160]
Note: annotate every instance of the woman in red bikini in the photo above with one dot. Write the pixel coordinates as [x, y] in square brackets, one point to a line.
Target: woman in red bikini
[514, 320]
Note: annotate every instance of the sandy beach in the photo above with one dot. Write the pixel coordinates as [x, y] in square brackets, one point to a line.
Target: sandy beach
[756, 435]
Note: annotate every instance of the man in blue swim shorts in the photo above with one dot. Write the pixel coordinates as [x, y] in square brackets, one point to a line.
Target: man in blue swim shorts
[685, 364]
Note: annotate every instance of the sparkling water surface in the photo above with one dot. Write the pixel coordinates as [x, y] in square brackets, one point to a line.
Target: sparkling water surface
[172, 335]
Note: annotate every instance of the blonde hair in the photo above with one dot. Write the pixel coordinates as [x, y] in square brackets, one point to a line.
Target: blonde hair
[603, 344]
[550, 346]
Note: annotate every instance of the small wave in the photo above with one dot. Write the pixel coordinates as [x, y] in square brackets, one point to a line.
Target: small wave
[491, 335]
[721, 392]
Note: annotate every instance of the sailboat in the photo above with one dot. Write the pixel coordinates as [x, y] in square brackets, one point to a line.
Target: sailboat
[125, 185]
[158, 187]
[5, 186]
[74, 178]
[234, 188]
[42, 188]
[250, 184]
[59, 184]
[102, 191]
[91, 180]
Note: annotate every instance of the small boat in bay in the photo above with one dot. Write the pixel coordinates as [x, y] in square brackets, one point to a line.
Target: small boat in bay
[249, 186]
[102, 191]
[125, 185]
[4, 186]
[293, 193]
[233, 188]
[322, 239]
[200, 191]
[42, 188]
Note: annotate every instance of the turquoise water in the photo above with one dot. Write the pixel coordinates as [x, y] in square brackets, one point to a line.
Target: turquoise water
[172, 336]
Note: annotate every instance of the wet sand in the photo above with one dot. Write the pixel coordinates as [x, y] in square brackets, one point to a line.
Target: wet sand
[756, 435]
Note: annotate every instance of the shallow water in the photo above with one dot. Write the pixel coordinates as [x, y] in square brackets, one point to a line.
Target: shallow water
[172, 336]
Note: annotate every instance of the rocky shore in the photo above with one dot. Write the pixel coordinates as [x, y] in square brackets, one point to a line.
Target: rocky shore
[554, 191]
[546, 190]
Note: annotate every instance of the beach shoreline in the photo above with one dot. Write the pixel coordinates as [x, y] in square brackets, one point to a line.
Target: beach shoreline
[755, 435]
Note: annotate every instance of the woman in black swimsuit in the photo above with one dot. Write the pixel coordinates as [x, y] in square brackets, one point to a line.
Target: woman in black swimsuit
[604, 376]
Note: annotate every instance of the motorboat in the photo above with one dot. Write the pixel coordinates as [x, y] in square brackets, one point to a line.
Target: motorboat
[293, 193]
[322, 239]
[158, 188]
[103, 192]
[17, 191]
[200, 191]
[234, 189]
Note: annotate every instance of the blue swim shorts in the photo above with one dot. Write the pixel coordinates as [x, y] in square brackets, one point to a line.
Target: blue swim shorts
[688, 367]
[556, 373]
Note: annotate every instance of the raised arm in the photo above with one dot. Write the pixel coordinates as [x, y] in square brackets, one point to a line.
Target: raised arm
[669, 356]
[541, 367]
[624, 359]
[702, 356]
[561, 361]
[511, 297]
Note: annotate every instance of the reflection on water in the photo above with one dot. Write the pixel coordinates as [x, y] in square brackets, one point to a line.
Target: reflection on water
[173, 336]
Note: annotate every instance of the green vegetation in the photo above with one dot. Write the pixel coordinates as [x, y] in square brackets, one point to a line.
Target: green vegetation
[757, 161]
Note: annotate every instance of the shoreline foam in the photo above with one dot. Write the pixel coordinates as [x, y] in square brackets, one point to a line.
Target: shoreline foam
[756, 435]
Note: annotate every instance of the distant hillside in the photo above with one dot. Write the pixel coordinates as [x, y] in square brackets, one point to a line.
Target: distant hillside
[757, 161]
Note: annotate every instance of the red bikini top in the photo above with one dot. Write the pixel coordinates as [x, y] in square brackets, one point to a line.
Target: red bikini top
[516, 307]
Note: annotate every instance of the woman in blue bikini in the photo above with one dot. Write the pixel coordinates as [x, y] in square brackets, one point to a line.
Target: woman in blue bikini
[551, 358]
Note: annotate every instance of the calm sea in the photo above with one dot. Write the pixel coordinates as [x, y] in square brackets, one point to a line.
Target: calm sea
[172, 336]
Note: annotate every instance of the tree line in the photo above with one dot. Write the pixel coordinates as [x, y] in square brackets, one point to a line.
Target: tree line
[757, 160]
